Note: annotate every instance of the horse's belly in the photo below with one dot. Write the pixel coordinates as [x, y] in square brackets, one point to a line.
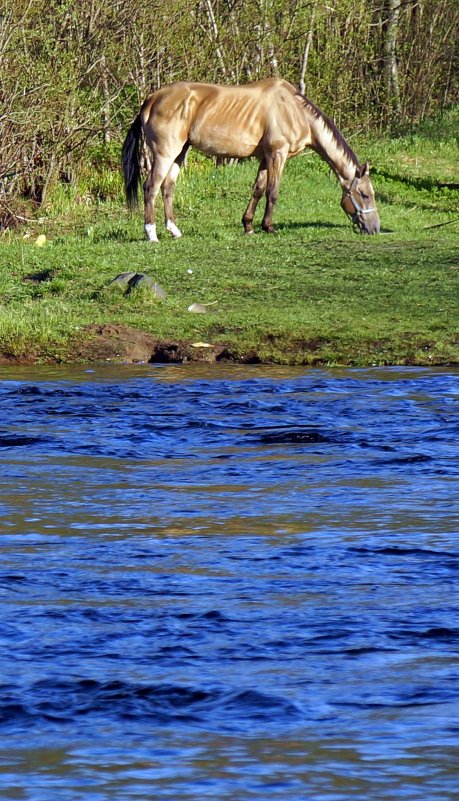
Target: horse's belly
[225, 140]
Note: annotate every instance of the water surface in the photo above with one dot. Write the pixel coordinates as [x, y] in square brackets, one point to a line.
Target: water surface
[229, 583]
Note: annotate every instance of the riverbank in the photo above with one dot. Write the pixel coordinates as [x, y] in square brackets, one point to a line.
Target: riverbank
[314, 293]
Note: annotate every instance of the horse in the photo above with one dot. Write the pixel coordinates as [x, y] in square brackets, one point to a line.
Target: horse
[269, 120]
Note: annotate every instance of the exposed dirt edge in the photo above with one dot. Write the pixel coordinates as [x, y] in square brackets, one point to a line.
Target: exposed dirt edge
[121, 344]
[113, 342]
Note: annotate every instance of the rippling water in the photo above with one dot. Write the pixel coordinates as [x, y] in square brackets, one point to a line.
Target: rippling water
[229, 584]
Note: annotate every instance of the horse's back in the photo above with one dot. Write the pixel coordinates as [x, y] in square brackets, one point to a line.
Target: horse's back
[217, 119]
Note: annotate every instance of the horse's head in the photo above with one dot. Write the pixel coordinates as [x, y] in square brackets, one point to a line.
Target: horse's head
[358, 201]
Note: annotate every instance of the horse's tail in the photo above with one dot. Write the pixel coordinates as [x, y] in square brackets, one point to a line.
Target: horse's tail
[131, 162]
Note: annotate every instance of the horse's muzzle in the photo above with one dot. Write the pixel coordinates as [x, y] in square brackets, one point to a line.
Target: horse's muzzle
[366, 220]
[367, 223]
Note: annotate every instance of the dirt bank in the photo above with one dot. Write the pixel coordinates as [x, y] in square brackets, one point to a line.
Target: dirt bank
[122, 344]
[113, 342]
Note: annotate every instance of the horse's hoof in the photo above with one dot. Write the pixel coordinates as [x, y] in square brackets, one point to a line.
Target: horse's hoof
[150, 230]
[172, 228]
[248, 226]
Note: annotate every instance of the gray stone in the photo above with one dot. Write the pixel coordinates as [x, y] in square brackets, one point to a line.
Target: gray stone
[122, 280]
[129, 281]
[140, 280]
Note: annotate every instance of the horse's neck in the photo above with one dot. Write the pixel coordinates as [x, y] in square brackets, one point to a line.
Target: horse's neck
[331, 146]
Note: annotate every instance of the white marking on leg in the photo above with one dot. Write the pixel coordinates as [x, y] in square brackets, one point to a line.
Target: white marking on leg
[150, 230]
[174, 172]
[172, 228]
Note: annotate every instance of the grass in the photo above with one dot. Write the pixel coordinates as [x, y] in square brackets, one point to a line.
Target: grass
[315, 292]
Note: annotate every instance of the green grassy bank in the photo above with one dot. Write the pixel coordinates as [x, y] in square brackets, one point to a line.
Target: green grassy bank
[314, 293]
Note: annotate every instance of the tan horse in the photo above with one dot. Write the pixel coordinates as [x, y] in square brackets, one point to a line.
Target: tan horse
[269, 120]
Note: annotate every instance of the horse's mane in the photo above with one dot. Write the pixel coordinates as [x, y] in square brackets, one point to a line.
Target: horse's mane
[332, 129]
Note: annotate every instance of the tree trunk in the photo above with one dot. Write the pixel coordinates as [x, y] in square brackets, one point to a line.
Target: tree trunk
[307, 47]
[390, 58]
[216, 38]
[106, 122]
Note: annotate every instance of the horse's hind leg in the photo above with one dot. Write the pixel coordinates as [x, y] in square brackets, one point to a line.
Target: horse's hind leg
[258, 191]
[159, 171]
[168, 189]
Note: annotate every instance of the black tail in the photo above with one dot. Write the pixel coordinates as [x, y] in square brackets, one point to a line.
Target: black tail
[131, 162]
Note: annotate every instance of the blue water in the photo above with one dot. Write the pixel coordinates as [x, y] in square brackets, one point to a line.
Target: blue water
[229, 583]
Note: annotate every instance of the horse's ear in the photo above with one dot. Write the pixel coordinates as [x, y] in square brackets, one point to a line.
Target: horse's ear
[364, 169]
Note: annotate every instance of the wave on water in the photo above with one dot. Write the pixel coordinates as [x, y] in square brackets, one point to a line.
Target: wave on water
[67, 701]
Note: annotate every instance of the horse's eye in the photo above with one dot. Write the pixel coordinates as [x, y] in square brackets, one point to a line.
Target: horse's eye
[364, 196]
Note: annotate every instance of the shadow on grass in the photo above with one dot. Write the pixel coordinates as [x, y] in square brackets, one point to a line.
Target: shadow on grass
[299, 226]
[114, 235]
[416, 183]
[327, 225]
[440, 204]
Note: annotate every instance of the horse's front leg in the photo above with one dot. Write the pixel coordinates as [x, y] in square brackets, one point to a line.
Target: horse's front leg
[275, 164]
[258, 191]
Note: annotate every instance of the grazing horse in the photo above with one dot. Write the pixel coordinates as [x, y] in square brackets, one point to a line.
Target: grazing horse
[269, 120]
